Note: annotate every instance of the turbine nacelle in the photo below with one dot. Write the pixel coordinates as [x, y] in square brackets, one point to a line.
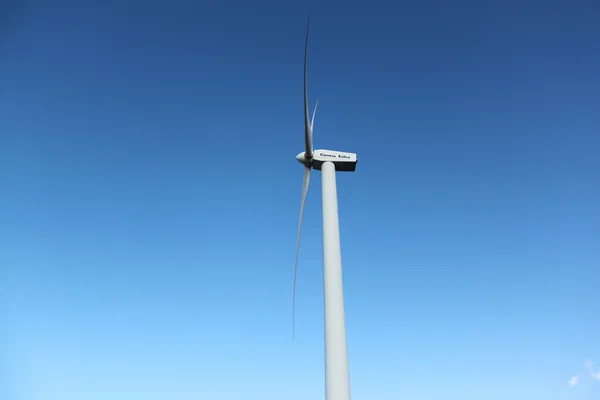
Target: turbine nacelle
[343, 161]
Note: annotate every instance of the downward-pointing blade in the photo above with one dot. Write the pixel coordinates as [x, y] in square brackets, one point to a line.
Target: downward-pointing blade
[305, 183]
[308, 150]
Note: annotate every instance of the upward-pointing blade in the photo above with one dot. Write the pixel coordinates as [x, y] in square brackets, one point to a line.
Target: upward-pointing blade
[312, 121]
[305, 183]
[308, 150]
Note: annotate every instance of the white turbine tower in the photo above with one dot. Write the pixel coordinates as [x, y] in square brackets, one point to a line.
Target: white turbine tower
[337, 381]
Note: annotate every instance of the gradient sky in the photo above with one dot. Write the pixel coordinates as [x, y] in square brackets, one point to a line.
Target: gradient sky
[149, 198]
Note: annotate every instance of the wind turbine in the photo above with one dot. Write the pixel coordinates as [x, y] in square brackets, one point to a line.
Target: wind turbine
[337, 381]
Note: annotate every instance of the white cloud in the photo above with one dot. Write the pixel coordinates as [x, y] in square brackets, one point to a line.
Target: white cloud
[595, 373]
[593, 369]
[574, 380]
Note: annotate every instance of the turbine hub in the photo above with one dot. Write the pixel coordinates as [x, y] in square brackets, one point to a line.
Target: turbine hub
[303, 160]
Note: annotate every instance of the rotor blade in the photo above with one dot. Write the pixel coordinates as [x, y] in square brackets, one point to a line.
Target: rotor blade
[312, 122]
[308, 146]
[305, 183]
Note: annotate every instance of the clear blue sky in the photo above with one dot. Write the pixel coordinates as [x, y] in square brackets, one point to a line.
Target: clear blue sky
[149, 198]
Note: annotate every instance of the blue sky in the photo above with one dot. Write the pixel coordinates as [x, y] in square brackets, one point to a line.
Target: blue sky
[149, 198]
